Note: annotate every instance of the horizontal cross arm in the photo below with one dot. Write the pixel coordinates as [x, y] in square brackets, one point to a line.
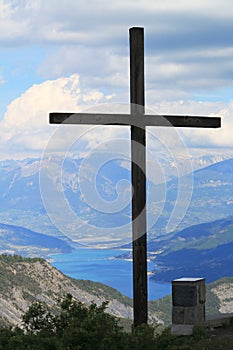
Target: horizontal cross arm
[90, 118]
[187, 121]
[140, 120]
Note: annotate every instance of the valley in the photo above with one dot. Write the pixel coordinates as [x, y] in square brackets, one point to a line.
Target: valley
[23, 184]
[200, 246]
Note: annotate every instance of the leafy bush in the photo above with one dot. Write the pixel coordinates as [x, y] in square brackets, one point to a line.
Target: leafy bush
[80, 327]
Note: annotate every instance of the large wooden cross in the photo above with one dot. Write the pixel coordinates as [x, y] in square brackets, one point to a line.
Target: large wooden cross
[138, 121]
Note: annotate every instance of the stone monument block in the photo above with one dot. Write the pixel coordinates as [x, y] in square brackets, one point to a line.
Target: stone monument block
[188, 301]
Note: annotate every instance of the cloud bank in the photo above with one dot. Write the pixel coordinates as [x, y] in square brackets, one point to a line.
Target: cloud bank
[189, 46]
[85, 62]
[25, 127]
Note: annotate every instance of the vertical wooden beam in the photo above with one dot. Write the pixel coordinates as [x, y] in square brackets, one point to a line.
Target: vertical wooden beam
[138, 166]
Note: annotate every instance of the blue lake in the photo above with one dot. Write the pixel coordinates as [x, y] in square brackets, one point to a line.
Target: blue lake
[98, 265]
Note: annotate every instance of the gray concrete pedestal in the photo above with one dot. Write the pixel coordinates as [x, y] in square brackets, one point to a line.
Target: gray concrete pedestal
[188, 302]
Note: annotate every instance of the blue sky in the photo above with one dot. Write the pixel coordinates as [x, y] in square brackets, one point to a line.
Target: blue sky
[70, 55]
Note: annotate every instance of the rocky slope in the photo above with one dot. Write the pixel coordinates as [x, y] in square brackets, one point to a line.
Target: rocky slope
[219, 299]
[23, 281]
[223, 289]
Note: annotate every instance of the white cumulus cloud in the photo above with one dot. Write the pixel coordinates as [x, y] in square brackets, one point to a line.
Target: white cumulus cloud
[25, 127]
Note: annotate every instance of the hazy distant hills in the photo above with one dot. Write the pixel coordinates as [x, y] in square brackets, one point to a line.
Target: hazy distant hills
[21, 203]
[207, 235]
[211, 264]
[213, 192]
[204, 250]
[19, 185]
[212, 196]
[18, 240]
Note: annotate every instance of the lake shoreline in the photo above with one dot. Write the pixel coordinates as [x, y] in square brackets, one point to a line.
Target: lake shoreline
[102, 265]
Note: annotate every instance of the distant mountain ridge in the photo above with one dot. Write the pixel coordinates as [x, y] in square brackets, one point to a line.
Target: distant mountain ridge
[224, 165]
[202, 236]
[212, 195]
[209, 263]
[204, 250]
[200, 250]
[19, 240]
[21, 203]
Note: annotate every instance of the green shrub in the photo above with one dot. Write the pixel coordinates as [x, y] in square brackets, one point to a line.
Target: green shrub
[80, 327]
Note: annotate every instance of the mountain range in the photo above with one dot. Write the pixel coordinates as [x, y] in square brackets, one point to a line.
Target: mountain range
[19, 240]
[205, 232]
[204, 250]
[21, 202]
[202, 246]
